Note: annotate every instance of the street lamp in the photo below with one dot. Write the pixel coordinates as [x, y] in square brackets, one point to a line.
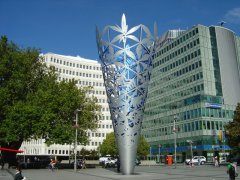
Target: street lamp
[24, 157]
[150, 152]
[190, 142]
[175, 141]
[159, 151]
[75, 145]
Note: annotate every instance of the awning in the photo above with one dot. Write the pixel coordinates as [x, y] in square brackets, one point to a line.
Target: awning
[11, 150]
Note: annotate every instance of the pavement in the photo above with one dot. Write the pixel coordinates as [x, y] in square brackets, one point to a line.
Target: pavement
[162, 172]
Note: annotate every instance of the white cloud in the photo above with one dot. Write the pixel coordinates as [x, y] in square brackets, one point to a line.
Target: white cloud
[233, 16]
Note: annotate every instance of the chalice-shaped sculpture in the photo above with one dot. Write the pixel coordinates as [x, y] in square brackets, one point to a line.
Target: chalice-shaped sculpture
[126, 61]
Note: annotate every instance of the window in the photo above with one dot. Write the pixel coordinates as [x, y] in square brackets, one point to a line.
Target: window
[208, 125]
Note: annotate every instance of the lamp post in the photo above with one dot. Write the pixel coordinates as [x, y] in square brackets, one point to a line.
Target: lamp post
[190, 142]
[75, 145]
[223, 139]
[159, 151]
[24, 157]
[175, 141]
[150, 153]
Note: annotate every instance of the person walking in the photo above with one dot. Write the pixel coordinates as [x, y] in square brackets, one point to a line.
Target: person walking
[216, 162]
[18, 175]
[84, 163]
[118, 164]
[232, 170]
[1, 162]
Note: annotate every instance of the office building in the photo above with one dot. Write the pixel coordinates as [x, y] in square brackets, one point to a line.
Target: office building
[87, 73]
[195, 82]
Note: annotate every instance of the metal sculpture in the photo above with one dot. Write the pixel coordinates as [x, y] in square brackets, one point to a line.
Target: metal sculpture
[126, 60]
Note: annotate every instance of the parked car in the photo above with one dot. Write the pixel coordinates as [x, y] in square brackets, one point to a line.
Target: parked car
[107, 161]
[196, 159]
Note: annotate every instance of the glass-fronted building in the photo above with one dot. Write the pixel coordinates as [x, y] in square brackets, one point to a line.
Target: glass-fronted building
[196, 83]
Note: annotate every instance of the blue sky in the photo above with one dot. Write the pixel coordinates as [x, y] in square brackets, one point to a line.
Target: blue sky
[68, 26]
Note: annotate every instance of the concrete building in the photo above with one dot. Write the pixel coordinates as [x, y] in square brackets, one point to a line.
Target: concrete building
[196, 83]
[87, 73]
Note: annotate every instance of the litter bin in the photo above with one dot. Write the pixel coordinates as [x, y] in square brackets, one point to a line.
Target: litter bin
[170, 159]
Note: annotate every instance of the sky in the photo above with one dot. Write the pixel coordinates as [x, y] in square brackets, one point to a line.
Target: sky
[68, 27]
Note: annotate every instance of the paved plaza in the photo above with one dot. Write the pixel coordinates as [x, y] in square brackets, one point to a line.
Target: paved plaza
[205, 172]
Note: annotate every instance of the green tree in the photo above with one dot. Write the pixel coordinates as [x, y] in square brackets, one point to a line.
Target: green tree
[143, 147]
[33, 104]
[108, 147]
[233, 130]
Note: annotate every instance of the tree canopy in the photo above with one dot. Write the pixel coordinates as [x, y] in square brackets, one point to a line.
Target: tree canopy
[33, 104]
[109, 147]
[233, 129]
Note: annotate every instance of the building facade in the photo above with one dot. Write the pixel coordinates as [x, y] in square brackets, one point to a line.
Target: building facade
[87, 73]
[195, 87]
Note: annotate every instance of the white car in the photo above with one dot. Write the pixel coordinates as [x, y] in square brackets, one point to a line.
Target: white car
[196, 160]
[107, 161]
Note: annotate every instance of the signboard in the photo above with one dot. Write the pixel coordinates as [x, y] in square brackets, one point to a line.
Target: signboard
[213, 105]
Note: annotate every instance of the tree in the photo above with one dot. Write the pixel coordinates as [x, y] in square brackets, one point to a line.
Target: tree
[233, 129]
[143, 147]
[108, 147]
[33, 104]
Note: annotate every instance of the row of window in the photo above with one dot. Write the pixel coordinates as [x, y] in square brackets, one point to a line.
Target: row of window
[108, 126]
[63, 71]
[187, 127]
[175, 53]
[104, 109]
[38, 141]
[82, 66]
[191, 114]
[181, 61]
[179, 41]
[166, 104]
[178, 73]
[87, 83]
[104, 118]
[174, 85]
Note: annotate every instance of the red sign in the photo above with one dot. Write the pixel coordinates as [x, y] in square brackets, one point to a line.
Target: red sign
[11, 150]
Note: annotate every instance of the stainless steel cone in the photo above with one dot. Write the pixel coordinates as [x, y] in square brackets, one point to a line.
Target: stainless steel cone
[126, 60]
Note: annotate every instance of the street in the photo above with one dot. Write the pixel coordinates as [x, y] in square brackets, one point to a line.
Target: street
[205, 172]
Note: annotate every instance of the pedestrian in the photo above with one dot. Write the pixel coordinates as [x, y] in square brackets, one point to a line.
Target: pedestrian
[2, 162]
[199, 162]
[216, 161]
[118, 164]
[84, 163]
[18, 175]
[232, 170]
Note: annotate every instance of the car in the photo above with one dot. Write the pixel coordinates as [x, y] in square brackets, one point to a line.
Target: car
[196, 159]
[107, 161]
